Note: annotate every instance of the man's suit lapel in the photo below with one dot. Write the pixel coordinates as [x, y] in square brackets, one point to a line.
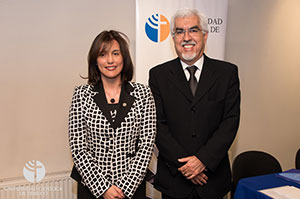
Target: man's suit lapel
[207, 79]
[125, 103]
[178, 78]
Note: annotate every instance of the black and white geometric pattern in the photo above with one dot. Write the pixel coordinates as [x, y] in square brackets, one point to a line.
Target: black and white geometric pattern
[113, 114]
[106, 156]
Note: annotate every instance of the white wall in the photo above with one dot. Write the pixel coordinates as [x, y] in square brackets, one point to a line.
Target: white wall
[43, 50]
[263, 40]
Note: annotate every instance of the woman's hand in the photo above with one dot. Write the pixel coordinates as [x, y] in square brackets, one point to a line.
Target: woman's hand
[113, 192]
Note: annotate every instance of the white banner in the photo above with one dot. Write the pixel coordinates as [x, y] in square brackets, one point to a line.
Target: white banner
[154, 43]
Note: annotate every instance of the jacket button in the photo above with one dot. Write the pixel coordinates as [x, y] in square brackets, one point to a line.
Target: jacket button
[193, 109]
[194, 135]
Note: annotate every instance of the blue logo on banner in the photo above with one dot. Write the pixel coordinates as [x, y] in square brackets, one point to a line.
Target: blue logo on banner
[157, 28]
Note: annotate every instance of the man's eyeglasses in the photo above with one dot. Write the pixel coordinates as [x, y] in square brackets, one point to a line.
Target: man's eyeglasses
[193, 31]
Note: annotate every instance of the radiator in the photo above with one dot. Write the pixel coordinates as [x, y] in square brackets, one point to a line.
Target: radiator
[53, 186]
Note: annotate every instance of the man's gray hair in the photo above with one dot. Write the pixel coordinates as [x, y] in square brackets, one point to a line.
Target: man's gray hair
[188, 12]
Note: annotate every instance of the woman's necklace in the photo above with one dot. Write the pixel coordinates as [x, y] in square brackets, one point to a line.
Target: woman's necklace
[112, 97]
[112, 100]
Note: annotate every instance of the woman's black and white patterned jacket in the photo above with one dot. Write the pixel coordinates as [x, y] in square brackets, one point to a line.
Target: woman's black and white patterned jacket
[109, 153]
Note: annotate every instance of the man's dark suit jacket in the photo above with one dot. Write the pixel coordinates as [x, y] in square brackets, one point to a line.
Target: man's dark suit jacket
[204, 125]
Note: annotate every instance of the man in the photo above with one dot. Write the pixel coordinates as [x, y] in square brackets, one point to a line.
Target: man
[198, 114]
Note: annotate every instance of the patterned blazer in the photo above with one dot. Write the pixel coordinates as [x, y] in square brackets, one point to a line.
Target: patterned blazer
[107, 152]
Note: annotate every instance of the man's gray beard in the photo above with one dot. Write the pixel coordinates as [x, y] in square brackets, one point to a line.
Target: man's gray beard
[188, 57]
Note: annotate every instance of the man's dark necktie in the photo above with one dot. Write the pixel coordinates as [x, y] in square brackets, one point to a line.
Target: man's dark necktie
[193, 81]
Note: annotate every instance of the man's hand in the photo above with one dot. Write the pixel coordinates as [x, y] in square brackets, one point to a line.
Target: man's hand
[200, 179]
[113, 192]
[192, 168]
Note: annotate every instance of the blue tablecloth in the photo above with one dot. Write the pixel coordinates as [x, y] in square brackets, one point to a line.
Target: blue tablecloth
[247, 188]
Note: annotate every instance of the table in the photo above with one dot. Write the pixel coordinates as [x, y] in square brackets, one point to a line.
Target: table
[248, 188]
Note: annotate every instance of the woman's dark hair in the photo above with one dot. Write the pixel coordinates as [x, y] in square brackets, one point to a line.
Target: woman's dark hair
[101, 43]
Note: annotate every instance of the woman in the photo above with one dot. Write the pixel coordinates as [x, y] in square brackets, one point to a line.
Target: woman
[112, 124]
